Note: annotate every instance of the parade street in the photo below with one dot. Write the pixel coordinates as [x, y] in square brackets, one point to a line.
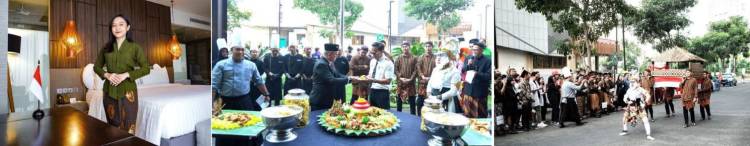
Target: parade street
[729, 126]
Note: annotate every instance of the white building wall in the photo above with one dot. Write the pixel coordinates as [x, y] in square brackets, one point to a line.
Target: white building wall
[532, 28]
[511, 58]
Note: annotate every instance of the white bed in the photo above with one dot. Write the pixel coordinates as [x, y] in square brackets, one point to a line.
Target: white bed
[164, 110]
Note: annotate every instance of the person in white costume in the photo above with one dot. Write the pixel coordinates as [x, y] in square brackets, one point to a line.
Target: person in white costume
[635, 98]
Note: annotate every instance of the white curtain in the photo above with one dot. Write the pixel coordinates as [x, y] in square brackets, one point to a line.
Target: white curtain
[34, 48]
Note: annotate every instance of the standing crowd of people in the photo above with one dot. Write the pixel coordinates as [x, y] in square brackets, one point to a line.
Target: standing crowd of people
[523, 99]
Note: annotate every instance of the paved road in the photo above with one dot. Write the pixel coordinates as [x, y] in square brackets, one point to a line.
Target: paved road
[730, 125]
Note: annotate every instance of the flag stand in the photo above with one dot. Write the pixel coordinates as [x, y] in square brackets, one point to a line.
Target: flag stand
[38, 113]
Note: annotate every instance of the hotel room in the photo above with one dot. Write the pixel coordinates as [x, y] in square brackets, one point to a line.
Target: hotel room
[66, 37]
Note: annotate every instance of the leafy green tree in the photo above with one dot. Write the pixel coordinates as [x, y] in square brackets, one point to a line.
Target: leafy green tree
[441, 13]
[235, 16]
[658, 22]
[727, 40]
[631, 56]
[583, 20]
[416, 49]
[328, 12]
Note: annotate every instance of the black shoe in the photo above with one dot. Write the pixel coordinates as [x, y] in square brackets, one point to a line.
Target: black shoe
[579, 123]
[709, 117]
[686, 125]
[562, 126]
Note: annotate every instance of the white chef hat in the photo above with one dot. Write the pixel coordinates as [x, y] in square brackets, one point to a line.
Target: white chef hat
[566, 72]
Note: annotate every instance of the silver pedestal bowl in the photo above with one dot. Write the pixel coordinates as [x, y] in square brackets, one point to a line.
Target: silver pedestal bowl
[445, 129]
[279, 121]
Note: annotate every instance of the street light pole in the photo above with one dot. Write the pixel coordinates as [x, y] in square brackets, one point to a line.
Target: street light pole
[341, 23]
[278, 27]
[390, 5]
[485, 21]
[624, 58]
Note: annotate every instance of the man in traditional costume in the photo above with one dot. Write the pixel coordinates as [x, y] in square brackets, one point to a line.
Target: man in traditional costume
[704, 96]
[635, 99]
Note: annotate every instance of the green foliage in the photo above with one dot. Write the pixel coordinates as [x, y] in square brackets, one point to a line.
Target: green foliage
[235, 16]
[441, 13]
[583, 20]
[656, 21]
[328, 12]
[449, 21]
[632, 52]
[725, 38]
[416, 49]
[580, 18]
[564, 47]
[643, 66]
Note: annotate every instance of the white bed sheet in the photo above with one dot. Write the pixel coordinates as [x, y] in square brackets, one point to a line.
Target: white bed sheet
[164, 111]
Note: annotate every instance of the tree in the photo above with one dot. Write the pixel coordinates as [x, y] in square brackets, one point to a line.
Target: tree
[725, 38]
[658, 22]
[235, 16]
[441, 13]
[583, 20]
[632, 54]
[328, 12]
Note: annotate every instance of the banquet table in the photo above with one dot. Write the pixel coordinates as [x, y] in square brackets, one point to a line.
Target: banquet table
[313, 134]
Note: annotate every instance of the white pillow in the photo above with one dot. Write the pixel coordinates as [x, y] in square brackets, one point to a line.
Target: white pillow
[157, 75]
[164, 76]
[148, 79]
[91, 80]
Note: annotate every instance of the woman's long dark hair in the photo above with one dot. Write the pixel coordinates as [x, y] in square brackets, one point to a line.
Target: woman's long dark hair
[112, 40]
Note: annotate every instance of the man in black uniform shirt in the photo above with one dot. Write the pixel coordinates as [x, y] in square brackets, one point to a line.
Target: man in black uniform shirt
[307, 70]
[294, 64]
[275, 66]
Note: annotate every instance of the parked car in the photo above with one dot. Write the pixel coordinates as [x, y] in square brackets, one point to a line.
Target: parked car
[728, 80]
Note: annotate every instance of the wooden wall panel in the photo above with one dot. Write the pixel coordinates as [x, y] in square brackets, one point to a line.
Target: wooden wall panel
[164, 12]
[85, 20]
[123, 7]
[152, 9]
[93, 2]
[150, 28]
[102, 40]
[104, 10]
[139, 15]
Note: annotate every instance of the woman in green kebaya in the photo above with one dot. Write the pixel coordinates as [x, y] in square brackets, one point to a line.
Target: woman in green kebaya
[120, 63]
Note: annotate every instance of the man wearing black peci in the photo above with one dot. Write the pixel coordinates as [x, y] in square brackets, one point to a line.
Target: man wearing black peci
[325, 78]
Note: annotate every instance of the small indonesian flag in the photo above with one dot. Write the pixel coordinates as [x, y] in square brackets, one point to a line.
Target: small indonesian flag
[35, 87]
[667, 81]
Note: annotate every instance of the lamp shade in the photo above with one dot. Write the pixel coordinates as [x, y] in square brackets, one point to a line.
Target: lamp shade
[14, 43]
[70, 39]
[174, 48]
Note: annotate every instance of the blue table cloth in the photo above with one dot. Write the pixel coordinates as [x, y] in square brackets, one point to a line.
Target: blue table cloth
[314, 135]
